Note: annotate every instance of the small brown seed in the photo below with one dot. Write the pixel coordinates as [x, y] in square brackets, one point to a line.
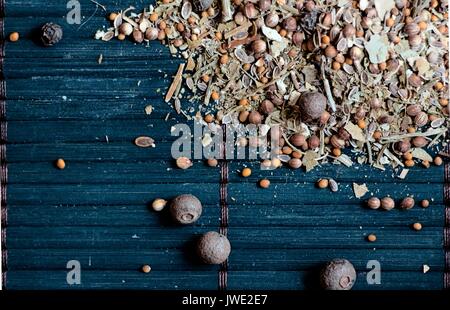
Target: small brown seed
[159, 204]
[298, 139]
[407, 203]
[374, 203]
[419, 141]
[323, 183]
[417, 226]
[295, 163]
[212, 162]
[264, 183]
[255, 117]
[60, 164]
[438, 161]
[146, 269]
[387, 203]
[425, 203]
[184, 162]
[144, 141]
[246, 172]
[371, 238]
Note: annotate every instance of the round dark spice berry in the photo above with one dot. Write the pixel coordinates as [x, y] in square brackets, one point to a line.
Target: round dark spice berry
[312, 105]
[338, 274]
[213, 248]
[51, 34]
[185, 209]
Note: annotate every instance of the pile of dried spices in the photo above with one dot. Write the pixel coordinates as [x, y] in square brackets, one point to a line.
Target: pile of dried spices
[368, 75]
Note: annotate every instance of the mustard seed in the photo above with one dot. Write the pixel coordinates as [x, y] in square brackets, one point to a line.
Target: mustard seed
[322, 183]
[264, 183]
[212, 162]
[146, 269]
[184, 162]
[417, 226]
[14, 37]
[371, 238]
[246, 172]
[159, 204]
[60, 164]
[425, 203]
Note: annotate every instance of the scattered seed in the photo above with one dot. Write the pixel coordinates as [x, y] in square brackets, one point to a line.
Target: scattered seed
[159, 204]
[264, 183]
[371, 238]
[144, 141]
[146, 269]
[417, 226]
[60, 164]
[322, 183]
[246, 172]
[184, 162]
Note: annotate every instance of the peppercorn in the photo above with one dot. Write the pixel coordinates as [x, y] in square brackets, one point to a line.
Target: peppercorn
[338, 274]
[264, 183]
[425, 203]
[372, 238]
[14, 36]
[387, 203]
[183, 162]
[61, 164]
[213, 248]
[322, 183]
[417, 226]
[185, 209]
[246, 172]
[407, 203]
[212, 162]
[51, 34]
[146, 269]
[374, 203]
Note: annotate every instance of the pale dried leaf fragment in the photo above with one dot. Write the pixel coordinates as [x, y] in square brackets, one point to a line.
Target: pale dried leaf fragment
[426, 268]
[310, 160]
[383, 6]
[378, 48]
[421, 154]
[271, 34]
[360, 190]
[175, 82]
[355, 132]
[148, 109]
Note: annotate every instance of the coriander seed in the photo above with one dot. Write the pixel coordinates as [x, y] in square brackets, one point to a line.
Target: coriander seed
[264, 183]
[146, 269]
[374, 203]
[387, 203]
[407, 203]
[14, 36]
[322, 183]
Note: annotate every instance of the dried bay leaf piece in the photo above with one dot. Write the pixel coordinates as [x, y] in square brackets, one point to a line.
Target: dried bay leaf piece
[360, 190]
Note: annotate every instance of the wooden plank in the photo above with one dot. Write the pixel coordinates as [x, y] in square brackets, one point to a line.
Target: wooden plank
[244, 237]
[179, 280]
[88, 131]
[56, 9]
[90, 109]
[131, 279]
[240, 216]
[240, 259]
[106, 194]
[288, 194]
[279, 280]
[157, 171]
[307, 193]
[163, 170]
[119, 216]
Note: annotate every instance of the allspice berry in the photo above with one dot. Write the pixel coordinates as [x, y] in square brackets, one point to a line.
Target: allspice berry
[298, 139]
[255, 118]
[185, 209]
[374, 203]
[51, 34]
[264, 183]
[312, 105]
[407, 203]
[213, 248]
[338, 274]
[387, 203]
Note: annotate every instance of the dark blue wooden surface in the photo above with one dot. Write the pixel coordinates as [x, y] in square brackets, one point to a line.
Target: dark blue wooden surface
[62, 103]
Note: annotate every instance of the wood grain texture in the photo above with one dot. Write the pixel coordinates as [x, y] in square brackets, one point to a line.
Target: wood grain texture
[62, 104]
